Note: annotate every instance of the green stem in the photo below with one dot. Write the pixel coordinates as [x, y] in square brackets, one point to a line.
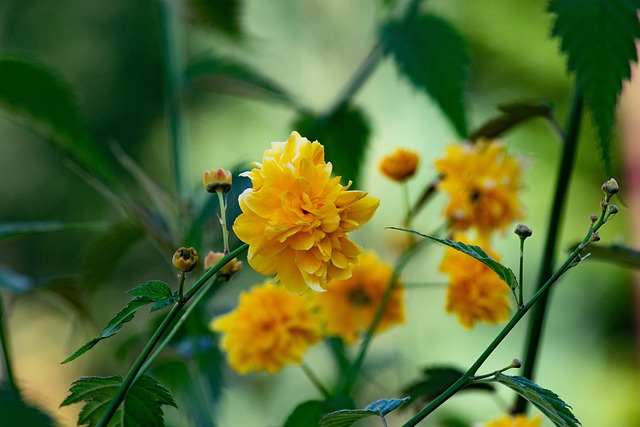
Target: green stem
[539, 295]
[521, 274]
[8, 366]
[223, 221]
[536, 324]
[183, 276]
[173, 82]
[315, 380]
[132, 375]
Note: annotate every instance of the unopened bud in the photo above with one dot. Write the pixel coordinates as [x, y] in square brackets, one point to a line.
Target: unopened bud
[610, 187]
[593, 218]
[185, 259]
[228, 270]
[595, 237]
[523, 231]
[612, 209]
[217, 180]
[516, 363]
[401, 165]
[603, 205]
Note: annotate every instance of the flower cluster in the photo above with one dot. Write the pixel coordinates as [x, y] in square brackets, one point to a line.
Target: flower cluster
[475, 292]
[482, 182]
[296, 218]
[515, 421]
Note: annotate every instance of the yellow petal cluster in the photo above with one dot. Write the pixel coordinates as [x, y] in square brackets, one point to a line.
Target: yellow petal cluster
[269, 329]
[296, 218]
[482, 182]
[400, 165]
[349, 306]
[475, 292]
[517, 421]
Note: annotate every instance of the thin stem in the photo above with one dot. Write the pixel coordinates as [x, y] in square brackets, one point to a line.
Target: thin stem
[536, 324]
[183, 275]
[521, 274]
[4, 343]
[315, 380]
[132, 375]
[411, 238]
[223, 221]
[173, 81]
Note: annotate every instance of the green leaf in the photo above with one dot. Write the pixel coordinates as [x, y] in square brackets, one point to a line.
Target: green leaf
[434, 57]
[228, 76]
[505, 273]
[512, 115]
[346, 417]
[152, 291]
[622, 255]
[219, 15]
[345, 136]
[142, 404]
[306, 414]
[545, 400]
[436, 380]
[38, 94]
[15, 412]
[599, 39]
[24, 229]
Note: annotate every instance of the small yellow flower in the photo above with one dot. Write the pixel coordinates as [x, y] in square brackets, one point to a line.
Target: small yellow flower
[217, 180]
[401, 165]
[296, 217]
[482, 181]
[228, 270]
[185, 259]
[269, 329]
[350, 305]
[517, 421]
[475, 292]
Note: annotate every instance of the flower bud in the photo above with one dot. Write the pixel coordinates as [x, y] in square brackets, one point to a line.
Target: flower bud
[516, 363]
[612, 209]
[610, 187]
[523, 231]
[595, 237]
[401, 165]
[593, 218]
[217, 180]
[228, 270]
[185, 259]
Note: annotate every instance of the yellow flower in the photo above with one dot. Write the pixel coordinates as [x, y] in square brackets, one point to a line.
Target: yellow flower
[269, 329]
[350, 305]
[482, 181]
[517, 421]
[475, 292]
[296, 217]
[401, 165]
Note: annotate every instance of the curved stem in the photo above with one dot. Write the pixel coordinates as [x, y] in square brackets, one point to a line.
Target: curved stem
[536, 325]
[315, 380]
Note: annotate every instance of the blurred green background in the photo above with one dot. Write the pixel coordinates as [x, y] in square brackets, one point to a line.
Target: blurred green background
[111, 55]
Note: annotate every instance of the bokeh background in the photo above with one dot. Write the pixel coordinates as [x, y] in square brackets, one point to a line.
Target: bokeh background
[111, 55]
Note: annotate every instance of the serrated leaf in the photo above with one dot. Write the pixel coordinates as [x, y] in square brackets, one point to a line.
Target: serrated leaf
[157, 291]
[142, 404]
[598, 37]
[618, 254]
[34, 92]
[346, 417]
[219, 15]
[436, 380]
[434, 57]
[24, 229]
[476, 252]
[226, 75]
[510, 116]
[345, 136]
[545, 400]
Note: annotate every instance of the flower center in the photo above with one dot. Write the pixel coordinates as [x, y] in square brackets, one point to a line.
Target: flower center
[359, 297]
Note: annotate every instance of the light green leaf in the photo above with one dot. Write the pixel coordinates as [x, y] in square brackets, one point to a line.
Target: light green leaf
[23, 229]
[346, 417]
[598, 37]
[142, 405]
[38, 94]
[434, 57]
[505, 273]
[512, 115]
[545, 400]
[345, 136]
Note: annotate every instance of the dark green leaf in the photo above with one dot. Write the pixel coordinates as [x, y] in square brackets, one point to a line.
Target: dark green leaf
[545, 400]
[505, 273]
[142, 405]
[23, 229]
[599, 39]
[436, 380]
[228, 76]
[155, 290]
[345, 136]
[434, 57]
[346, 417]
[15, 412]
[512, 115]
[219, 15]
[37, 93]
[307, 414]
[622, 255]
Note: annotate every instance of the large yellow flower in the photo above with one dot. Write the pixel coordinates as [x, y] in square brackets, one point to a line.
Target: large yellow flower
[296, 217]
[517, 421]
[482, 181]
[350, 305]
[475, 292]
[269, 329]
